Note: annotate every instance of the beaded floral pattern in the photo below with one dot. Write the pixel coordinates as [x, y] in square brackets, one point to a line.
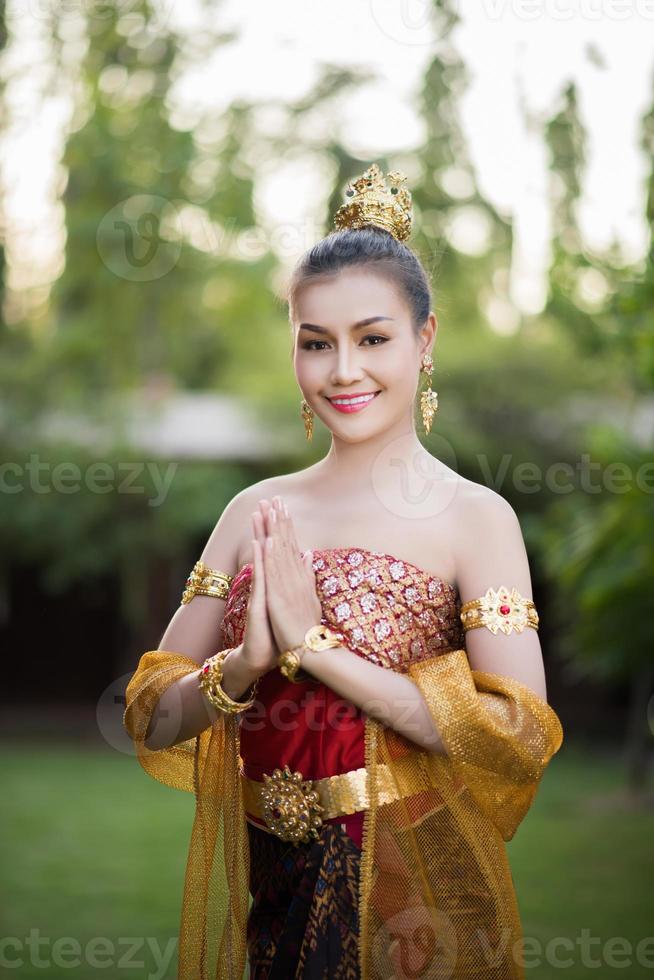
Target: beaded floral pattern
[390, 611]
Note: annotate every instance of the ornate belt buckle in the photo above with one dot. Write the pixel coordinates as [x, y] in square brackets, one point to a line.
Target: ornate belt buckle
[291, 806]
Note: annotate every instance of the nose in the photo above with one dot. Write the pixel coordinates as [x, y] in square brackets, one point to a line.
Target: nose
[346, 369]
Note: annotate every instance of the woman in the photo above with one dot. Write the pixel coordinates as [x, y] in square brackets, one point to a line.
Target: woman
[374, 725]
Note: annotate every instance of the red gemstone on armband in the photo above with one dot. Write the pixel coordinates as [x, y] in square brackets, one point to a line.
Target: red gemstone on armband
[205, 670]
[505, 610]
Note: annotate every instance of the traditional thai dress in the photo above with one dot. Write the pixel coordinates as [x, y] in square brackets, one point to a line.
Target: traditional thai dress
[409, 875]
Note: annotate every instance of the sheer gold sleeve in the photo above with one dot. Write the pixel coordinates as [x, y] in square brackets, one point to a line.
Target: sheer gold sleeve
[498, 734]
[212, 932]
[155, 672]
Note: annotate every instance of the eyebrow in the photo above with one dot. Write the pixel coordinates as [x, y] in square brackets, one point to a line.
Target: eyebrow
[355, 326]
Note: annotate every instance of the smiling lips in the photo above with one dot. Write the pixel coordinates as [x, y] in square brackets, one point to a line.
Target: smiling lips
[352, 403]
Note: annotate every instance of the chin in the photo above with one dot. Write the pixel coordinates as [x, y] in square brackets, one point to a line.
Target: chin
[352, 438]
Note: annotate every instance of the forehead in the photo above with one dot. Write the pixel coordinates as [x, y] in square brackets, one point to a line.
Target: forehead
[351, 295]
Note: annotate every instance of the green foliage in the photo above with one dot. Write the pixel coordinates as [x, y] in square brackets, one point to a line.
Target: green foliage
[597, 544]
[598, 551]
[161, 288]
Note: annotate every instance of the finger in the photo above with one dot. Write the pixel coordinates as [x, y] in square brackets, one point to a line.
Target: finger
[276, 530]
[268, 552]
[269, 560]
[289, 536]
[256, 551]
[257, 522]
[259, 583]
[255, 575]
[282, 521]
[270, 511]
[256, 554]
[264, 509]
[253, 597]
[292, 537]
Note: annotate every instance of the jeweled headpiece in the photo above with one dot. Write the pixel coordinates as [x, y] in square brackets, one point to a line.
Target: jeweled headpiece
[373, 203]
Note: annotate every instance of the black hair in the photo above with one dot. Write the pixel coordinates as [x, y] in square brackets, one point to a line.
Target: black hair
[372, 246]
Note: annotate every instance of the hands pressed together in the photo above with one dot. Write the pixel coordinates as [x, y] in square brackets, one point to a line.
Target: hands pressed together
[283, 600]
[283, 605]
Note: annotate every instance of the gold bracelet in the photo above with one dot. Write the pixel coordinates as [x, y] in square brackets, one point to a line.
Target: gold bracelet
[501, 610]
[206, 581]
[289, 664]
[211, 675]
[319, 637]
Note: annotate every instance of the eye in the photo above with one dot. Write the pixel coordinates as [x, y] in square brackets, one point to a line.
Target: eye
[371, 336]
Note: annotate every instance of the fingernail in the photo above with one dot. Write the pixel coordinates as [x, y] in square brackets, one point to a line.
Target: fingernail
[273, 515]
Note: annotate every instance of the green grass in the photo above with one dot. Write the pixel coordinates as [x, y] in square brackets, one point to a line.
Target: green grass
[582, 863]
[93, 847]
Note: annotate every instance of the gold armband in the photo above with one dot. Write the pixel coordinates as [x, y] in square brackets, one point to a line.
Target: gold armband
[501, 610]
[206, 581]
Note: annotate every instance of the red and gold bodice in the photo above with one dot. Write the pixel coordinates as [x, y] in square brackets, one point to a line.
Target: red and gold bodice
[390, 612]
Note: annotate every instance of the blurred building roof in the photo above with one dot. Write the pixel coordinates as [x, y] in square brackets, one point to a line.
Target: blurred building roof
[180, 424]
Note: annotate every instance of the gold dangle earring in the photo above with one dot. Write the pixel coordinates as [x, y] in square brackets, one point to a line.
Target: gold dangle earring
[428, 398]
[307, 416]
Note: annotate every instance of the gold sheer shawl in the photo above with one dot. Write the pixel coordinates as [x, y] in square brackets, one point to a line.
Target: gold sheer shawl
[436, 895]
[216, 897]
[436, 884]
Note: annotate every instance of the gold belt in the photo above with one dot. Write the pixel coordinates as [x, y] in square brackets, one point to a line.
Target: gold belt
[294, 808]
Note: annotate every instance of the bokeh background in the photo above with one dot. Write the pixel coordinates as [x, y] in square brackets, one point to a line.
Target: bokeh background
[163, 166]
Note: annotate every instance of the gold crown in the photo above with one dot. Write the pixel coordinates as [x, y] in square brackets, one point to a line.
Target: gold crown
[375, 204]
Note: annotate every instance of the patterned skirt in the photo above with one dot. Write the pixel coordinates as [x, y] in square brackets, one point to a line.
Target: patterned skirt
[303, 922]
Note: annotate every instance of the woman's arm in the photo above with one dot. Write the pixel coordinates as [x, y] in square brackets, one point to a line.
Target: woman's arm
[488, 700]
[183, 711]
[195, 630]
[384, 694]
[490, 553]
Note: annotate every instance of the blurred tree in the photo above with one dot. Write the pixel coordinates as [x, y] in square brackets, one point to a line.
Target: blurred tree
[167, 285]
[154, 294]
[597, 543]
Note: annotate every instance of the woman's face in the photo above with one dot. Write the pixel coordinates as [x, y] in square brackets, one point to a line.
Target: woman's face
[343, 358]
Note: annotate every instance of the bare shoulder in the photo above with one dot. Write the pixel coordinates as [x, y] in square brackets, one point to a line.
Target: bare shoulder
[489, 543]
[477, 504]
[235, 523]
[233, 530]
